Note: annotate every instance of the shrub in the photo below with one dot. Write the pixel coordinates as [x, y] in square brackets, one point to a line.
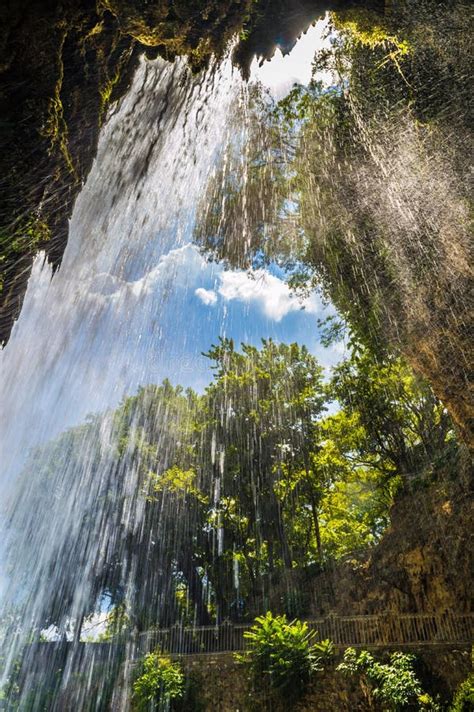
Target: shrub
[160, 684]
[464, 698]
[282, 656]
[394, 684]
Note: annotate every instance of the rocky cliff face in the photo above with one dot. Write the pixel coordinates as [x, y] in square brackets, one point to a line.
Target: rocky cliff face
[424, 562]
[61, 65]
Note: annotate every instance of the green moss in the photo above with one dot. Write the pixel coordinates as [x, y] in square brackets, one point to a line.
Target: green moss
[96, 30]
[198, 29]
[27, 237]
[106, 93]
[55, 127]
[373, 31]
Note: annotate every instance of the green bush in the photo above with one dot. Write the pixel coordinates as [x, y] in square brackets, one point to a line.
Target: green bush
[160, 684]
[464, 698]
[394, 684]
[282, 656]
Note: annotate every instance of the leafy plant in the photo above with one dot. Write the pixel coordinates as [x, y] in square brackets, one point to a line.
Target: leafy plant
[282, 656]
[464, 698]
[161, 683]
[393, 684]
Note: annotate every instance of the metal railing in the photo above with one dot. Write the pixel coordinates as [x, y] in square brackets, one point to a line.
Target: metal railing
[371, 631]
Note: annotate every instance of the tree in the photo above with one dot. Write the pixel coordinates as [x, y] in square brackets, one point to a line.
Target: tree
[263, 407]
[363, 188]
[160, 685]
[178, 507]
[402, 426]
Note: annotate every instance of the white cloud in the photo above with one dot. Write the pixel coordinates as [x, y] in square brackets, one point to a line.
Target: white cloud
[185, 267]
[95, 626]
[178, 268]
[207, 296]
[272, 294]
[330, 356]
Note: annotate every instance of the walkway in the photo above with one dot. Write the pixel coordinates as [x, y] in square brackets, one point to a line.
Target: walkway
[375, 631]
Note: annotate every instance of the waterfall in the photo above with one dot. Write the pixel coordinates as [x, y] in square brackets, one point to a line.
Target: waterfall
[137, 495]
[93, 333]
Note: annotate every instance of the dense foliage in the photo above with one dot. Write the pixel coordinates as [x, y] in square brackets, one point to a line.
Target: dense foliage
[393, 684]
[281, 657]
[463, 700]
[363, 187]
[160, 683]
[218, 505]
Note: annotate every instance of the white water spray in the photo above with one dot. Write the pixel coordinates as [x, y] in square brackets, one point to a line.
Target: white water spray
[93, 332]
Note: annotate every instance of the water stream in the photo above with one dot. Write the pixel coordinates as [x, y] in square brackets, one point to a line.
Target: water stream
[94, 332]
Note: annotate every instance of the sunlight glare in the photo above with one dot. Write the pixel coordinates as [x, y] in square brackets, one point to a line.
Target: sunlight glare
[282, 71]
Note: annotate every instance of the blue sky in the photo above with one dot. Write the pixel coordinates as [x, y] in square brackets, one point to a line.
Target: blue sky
[207, 301]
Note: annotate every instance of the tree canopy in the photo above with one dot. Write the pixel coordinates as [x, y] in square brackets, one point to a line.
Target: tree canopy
[180, 506]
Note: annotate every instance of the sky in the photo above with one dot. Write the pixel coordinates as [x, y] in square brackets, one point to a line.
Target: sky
[241, 305]
[249, 306]
[244, 306]
[204, 301]
[282, 71]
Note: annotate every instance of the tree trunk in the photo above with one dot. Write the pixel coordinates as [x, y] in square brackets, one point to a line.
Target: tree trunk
[317, 532]
[196, 594]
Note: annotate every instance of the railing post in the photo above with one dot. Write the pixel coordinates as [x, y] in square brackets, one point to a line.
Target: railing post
[331, 621]
[225, 641]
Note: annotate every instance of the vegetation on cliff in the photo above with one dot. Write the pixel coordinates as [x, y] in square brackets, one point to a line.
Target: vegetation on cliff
[160, 685]
[286, 667]
[363, 188]
[280, 660]
[394, 684]
[463, 700]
